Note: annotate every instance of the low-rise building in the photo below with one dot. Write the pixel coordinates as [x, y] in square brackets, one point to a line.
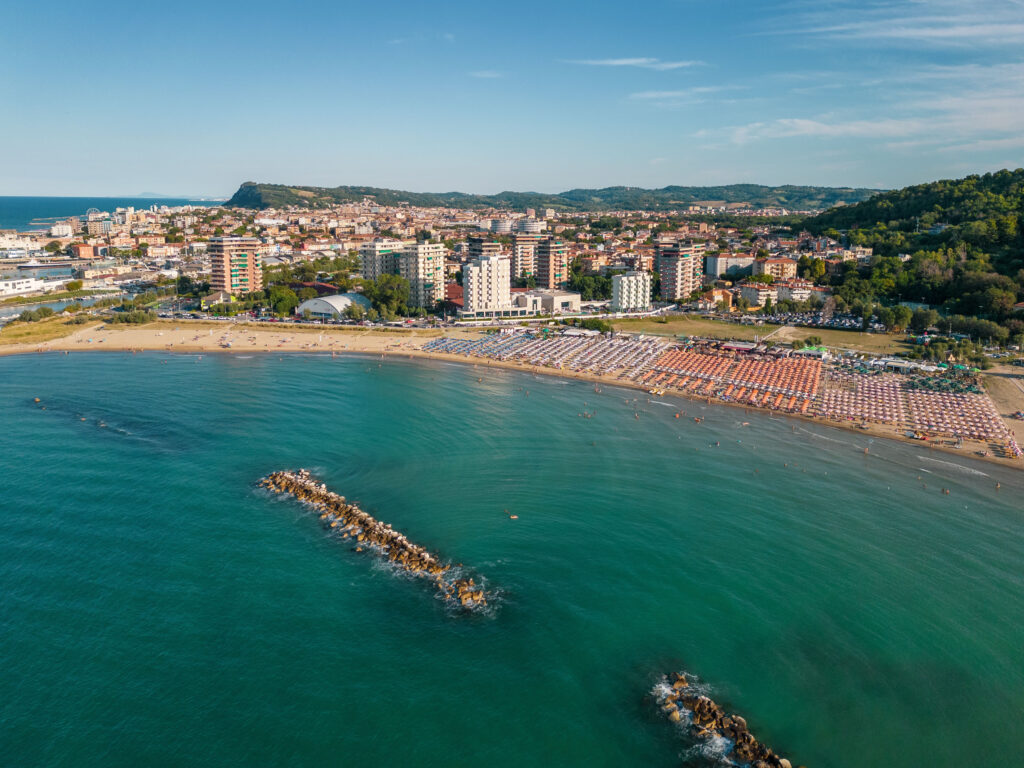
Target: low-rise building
[794, 290]
[331, 307]
[779, 268]
[758, 294]
[19, 285]
[98, 271]
[732, 265]
[530, 226]
[557, 302]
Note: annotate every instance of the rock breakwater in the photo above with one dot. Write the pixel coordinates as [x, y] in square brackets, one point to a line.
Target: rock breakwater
[706, 720]
[370, 534]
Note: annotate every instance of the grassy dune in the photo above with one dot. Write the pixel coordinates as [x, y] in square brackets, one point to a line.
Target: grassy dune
[35, 333]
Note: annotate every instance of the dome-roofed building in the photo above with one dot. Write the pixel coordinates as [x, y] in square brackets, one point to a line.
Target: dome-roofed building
[331, 307]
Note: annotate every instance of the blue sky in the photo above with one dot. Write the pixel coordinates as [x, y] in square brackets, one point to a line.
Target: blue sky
[196, 97]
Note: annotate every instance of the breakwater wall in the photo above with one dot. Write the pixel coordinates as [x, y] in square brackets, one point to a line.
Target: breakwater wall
[371, 535]
[706, 720]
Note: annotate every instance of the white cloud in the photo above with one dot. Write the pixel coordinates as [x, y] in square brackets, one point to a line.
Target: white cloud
[988, 145]
[642, 62]
[680, 97]
[923, 23]
[871, 129]
[682, 93]
[971, 108]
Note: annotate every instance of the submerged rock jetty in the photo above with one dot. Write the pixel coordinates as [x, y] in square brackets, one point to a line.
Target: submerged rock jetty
[371, 534]
[682, 702]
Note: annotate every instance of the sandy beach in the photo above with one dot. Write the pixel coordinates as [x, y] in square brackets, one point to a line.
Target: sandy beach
[1005, 384]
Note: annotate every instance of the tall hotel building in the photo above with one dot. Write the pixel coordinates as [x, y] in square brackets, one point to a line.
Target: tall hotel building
[552, 263]
[235, 265]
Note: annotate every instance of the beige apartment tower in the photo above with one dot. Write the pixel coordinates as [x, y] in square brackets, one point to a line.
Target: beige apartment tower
[552, 263]
[235, 265]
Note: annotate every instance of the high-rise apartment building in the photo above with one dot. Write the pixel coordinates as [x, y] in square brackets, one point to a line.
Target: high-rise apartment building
[631, 292]
[552, 263]
[235, 265]
[380, 257]
[483, 246]
[524, 256]
[485, 285]
[681, 267]
[422, 264]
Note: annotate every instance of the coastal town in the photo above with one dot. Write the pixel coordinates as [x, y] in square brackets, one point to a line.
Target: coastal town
[453, 260]
[544, 289]
[565, 385]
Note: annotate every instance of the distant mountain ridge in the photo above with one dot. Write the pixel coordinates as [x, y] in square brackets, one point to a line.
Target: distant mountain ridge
[261, 196]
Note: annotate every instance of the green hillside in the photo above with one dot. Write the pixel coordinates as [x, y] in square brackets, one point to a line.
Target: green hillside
[262, 196]
[964, 239]
[968, 204]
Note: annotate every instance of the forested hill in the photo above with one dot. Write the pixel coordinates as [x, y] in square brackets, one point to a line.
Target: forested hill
[261, 196]
[980, 210]
[963, 238]
[978, 217]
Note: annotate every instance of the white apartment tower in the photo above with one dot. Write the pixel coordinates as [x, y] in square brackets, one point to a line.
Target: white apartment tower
[485, 285]
[631, 292]
[422, 264]
[380, 257]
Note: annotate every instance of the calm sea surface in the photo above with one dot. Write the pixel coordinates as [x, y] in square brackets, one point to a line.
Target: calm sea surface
[26, 213]
[156, 609]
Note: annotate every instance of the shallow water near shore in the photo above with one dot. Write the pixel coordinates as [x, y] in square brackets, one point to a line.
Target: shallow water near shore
[157, 609]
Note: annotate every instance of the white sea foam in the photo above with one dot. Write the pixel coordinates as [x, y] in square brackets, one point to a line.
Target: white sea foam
[954, 465]
[714, 749]
[815, 434]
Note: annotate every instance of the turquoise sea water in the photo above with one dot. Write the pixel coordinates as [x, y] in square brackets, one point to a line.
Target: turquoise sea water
[156, 609]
